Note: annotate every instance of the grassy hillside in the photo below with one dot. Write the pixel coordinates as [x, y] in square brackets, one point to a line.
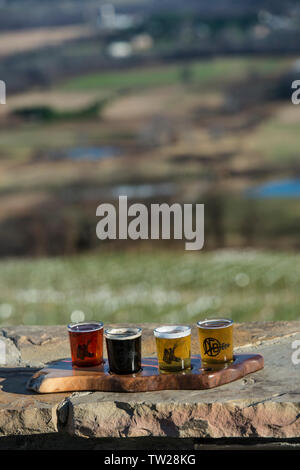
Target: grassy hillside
[208, 129]
[157, 286]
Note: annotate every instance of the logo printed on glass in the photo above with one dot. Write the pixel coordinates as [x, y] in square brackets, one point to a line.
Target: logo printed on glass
[213, 347]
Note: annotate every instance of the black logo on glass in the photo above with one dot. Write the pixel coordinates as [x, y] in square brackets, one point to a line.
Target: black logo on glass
[213, 347]
[83, 351]
[169, 355]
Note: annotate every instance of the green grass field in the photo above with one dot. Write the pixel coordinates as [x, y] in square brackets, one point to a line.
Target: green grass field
[18, 142]
[202, 72]
[277, 141]
[157, 286]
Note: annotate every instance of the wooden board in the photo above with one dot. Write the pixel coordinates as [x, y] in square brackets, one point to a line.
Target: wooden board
[62, 377]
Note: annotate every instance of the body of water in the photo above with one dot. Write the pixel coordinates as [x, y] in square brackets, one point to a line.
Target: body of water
[84, 153]
[91, 153]
[289, 188]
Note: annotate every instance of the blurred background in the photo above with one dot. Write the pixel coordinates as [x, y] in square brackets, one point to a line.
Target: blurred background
[162, 101]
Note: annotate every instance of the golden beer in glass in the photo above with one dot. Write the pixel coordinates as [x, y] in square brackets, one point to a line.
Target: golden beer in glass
[216, 341]
[173, 344]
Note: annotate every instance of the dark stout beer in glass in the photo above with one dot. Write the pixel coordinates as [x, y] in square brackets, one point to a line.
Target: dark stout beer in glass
[86, 341]
[124, 349]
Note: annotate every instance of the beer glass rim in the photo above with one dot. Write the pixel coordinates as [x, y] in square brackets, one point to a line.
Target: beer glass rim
[172, 331]
[97, 324]
[203, 323]
[118, 333]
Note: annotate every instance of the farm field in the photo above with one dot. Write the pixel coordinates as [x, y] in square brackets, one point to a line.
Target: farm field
[136, 98]
[201, 72]
[21, 41]
[163, 107]
[183, 131]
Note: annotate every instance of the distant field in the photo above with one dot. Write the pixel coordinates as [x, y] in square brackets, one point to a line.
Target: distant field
[201, 71]
[167, 129]
[149, 94]
[157, 286]
[278, 138]
[14, 42]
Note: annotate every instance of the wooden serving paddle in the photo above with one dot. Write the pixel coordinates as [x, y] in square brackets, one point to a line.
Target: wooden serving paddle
[62, 377]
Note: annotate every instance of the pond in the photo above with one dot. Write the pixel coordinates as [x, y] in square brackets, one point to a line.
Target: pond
[144, 190]
[288, 188]
[91, 153]
[84, 153]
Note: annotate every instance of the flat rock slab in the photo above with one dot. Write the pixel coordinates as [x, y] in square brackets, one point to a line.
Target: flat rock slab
[264, 404]
[62, 377]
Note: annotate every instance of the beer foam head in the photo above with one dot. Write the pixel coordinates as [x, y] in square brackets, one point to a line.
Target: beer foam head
[85, 327]
[214, 323]
[172, 331]
[123, 333]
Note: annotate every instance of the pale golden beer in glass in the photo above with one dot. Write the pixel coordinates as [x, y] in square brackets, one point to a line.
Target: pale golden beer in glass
[216, 341]
[173, 344]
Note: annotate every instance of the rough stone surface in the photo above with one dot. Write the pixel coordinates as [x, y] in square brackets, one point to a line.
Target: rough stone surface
[9, 353]
[263, 405]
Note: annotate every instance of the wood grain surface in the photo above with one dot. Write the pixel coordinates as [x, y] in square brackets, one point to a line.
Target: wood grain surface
[62, 377]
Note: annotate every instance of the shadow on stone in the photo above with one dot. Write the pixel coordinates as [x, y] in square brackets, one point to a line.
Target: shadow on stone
[53, 441]
[65, 442]
[14, 379]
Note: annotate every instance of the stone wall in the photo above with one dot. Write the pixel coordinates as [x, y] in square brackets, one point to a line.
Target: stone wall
[261, 410]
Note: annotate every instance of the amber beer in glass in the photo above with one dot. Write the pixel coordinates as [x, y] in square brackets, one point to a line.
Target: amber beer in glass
[173, 344]
[86, 341]
[216, 341]
[124, 350]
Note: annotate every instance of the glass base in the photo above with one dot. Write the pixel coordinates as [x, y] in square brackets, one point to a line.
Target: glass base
[216, 365]
[130, 372]
[180, 372]
[181, 366]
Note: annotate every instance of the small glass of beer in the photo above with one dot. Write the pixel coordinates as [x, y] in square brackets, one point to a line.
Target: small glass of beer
[173, 344]
[124, 349]
[86, 341]
[216, 341]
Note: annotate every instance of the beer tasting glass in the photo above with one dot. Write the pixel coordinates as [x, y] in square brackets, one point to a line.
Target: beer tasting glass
[173, 344]
[86, 341]
[124, 349]
[216, 341]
